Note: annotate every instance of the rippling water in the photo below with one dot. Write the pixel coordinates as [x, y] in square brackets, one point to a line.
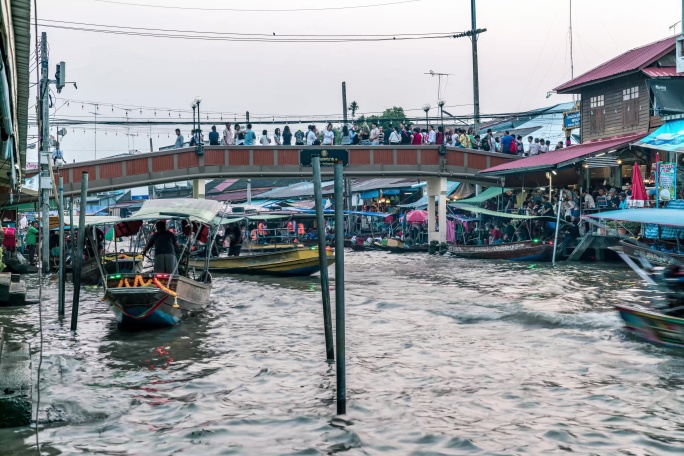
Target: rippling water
[444, 356]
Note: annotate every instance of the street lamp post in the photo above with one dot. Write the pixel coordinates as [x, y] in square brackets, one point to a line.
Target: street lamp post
[198, 100]
[426, 108]
[441, 104]
[193, 106]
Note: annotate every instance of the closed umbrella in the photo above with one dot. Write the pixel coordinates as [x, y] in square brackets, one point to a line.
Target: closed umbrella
[419, 216]
[639, 196]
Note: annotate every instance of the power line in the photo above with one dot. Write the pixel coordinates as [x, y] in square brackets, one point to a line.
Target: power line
[261, 39]
[152, 29]
[194, 8]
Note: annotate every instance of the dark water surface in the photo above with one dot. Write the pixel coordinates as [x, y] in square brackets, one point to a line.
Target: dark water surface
[444, 356]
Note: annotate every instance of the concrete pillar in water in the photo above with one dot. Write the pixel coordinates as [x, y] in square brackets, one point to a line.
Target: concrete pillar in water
[437, 186]
[198, 188]
[478, 189]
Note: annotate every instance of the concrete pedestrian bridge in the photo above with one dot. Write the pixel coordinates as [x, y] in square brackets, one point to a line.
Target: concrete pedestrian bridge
[123, 172]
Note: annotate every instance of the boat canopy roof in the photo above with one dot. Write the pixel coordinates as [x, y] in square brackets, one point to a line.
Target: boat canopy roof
[481, 210]
[90, 220]
[667, 217]
[196, 210]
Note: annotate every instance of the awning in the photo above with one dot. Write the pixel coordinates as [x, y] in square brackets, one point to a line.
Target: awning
[668, 217]
[370, 194]
[483, 211]
[561, 158]
[423, 202]
[491, 192]
[669, 137]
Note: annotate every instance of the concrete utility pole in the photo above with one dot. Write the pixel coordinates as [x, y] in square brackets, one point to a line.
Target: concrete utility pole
[344, 102]
[476, 82]
[45, 181]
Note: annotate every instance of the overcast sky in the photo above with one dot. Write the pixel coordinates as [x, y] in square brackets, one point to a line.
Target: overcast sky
[523, 55]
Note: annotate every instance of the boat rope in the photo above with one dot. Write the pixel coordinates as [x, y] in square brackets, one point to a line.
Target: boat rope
[140, 282]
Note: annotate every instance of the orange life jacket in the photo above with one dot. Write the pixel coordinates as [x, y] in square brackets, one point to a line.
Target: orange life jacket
[291, 225]
[262, 229]
[300, 228]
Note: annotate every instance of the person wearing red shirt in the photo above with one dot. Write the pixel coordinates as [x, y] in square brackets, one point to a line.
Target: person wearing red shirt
[417, 137]
[440, 136]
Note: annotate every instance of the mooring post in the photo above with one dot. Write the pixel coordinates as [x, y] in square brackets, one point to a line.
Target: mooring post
[323, 259]
[62, 246]
[77, 261]
[71, 228]
[339, 290]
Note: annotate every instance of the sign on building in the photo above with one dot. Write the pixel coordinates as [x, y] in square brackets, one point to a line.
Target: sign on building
[571, 120]
[328, 157]
[667, 181]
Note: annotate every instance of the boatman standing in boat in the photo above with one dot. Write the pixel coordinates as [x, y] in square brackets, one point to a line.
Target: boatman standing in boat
[165, 245]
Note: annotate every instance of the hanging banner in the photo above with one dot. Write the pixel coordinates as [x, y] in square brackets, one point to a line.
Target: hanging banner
[667, 180]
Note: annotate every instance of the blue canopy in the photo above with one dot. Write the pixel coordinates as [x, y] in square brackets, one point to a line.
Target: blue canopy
[331, 212]
[669, 137]
[667, 217]
[370, 194]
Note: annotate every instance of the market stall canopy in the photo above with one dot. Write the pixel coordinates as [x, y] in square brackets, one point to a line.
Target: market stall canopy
[90, 220]
[483, 211]
[559, 159]
[668, 137]
[423, 201]
[668, 217]
[491, 192]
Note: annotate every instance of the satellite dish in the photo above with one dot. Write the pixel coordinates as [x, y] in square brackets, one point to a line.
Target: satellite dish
[62, 132]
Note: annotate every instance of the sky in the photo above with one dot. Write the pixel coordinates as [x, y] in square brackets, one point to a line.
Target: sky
[523, 55]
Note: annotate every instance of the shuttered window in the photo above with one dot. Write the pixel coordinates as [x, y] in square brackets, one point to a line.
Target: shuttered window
[597, 120]
[630, 107]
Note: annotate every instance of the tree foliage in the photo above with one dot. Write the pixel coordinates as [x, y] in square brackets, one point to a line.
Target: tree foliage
[393, 115]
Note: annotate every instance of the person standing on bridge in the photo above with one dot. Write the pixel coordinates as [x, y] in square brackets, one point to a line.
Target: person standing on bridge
[165, 244]
[287, 136]
[213, 136]
[228, 138]
[374, 134]
[329, 135]
[250, 136]
[179, 139]
[239, 136]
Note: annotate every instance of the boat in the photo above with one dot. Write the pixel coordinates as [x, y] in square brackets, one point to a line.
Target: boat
[293, 262]
[638, 249]
[635, 250]
[654, 326]
[418, 248]
[149, 300]
[512, 251]
[361, 247]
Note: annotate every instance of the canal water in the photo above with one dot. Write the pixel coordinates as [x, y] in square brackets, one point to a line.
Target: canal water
[445, 356]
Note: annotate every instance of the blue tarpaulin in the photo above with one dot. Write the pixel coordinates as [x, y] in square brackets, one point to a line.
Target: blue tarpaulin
[370, 194]
[451, 188]
[668, 137]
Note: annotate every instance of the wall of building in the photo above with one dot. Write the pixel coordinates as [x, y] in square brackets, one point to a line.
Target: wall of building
[614, 110]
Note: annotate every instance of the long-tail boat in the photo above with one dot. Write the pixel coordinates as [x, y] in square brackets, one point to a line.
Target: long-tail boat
[164, 299]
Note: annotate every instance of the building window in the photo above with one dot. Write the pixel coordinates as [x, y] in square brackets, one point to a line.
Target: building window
[596, 115]
[595, 102]
[630, 107]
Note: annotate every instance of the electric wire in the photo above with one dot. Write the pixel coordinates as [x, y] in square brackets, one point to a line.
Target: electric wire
[288, 10]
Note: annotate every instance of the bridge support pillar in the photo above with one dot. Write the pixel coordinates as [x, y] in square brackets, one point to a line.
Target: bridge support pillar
[198, 188]
[437, 187]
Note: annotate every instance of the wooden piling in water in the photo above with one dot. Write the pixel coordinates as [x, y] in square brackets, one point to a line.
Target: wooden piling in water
[77, 261]
[62, 256]
[323, 259]
[341, 369]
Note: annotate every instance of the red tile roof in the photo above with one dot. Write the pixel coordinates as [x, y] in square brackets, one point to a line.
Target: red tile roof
[665, 72]
[628, 62]
[552, 159]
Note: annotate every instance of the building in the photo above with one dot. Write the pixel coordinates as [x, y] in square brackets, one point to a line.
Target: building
[15, 45]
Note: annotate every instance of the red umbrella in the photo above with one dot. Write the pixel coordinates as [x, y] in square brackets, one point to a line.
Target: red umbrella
[417, 216]
[638, 189]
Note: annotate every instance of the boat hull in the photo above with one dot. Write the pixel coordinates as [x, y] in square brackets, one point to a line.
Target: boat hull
[654, 256]
[653, 326]
[295, 262]
[151, 307]
[423, 248]
[514, 251]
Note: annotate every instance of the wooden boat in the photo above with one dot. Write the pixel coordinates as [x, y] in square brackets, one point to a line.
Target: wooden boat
[156, 301]
[160, 299]
[360, 247]
[513, 251]
[637, 250]
[420, 248]
[91, 273]
[294, 262]
[653, 326]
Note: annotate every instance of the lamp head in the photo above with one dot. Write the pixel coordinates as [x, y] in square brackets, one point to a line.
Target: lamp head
[426, 107]
[441, 103]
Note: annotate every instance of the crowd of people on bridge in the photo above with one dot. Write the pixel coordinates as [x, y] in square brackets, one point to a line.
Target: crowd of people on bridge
[376, 135]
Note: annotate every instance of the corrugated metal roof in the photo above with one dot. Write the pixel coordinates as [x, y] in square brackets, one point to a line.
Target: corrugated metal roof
[553, 159]
[381, 183]
[665, 72]
[222, 186]
[21, 22]
[627, 62]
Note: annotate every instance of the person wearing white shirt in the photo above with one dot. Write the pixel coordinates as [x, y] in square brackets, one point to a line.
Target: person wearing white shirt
[264, 138]
[374, 134]
[311, 135]
[432, 135]
[228, 138]
[329, 136]
[395, 137]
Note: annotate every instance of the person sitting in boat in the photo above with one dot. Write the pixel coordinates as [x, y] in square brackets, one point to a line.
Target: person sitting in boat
[495, 236]
[165, 244]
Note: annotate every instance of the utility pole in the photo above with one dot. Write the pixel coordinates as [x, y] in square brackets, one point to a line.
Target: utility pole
[476, 82]
[347, 181]
[344, 102]
[45, 180]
